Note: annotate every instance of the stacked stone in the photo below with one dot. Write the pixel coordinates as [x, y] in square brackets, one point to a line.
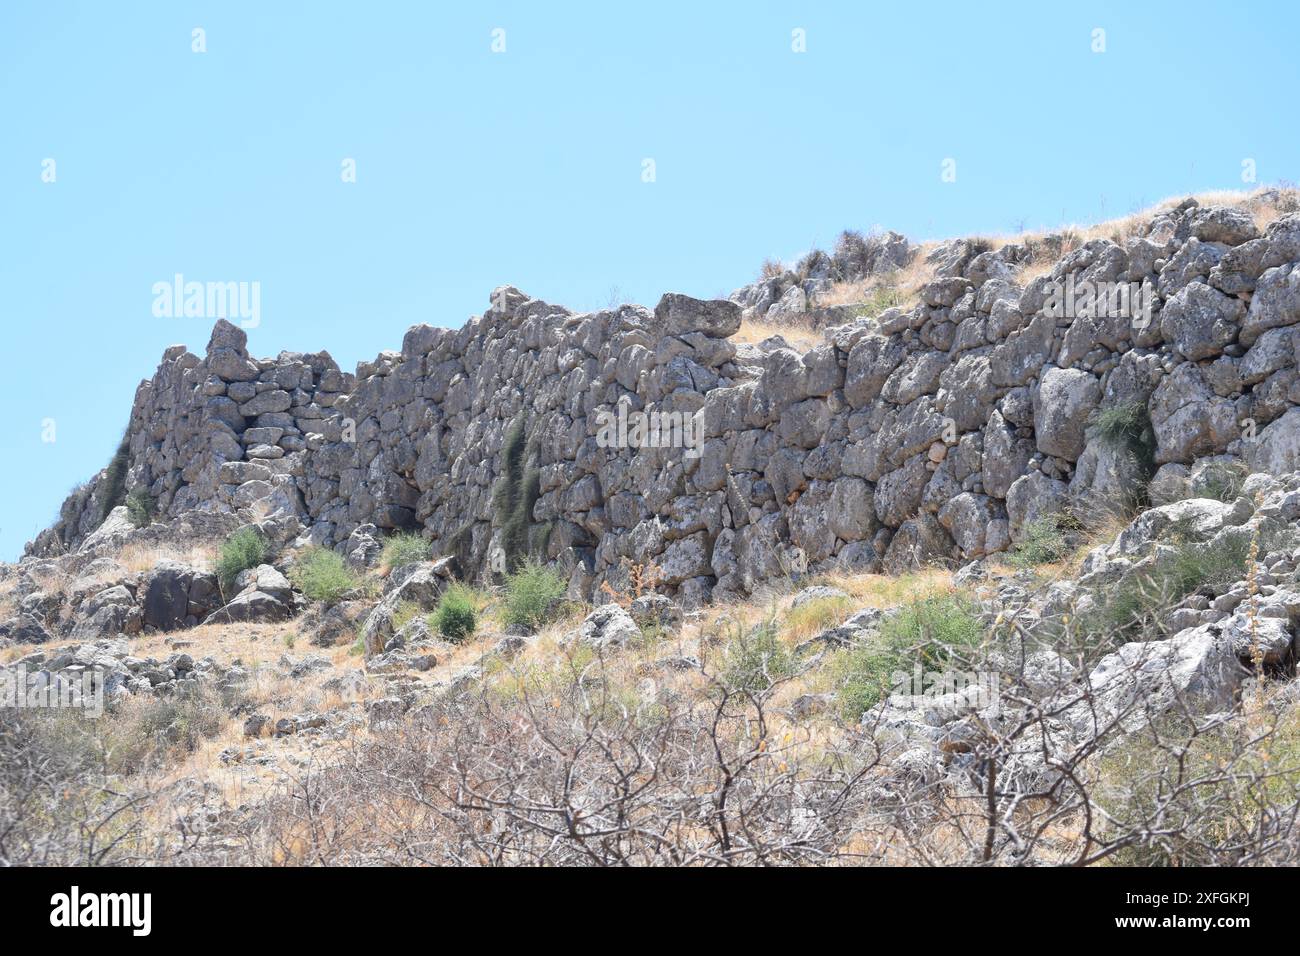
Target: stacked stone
[937, 433]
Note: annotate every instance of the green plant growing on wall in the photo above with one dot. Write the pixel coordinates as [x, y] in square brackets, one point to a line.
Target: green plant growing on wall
[115, 477]
[140, 507]
[1127, 429]
[516, 492]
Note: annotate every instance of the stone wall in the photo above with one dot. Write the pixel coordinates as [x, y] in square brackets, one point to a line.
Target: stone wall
[937, 433]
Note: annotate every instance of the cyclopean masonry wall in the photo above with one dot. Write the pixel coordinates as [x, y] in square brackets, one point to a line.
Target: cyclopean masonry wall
[935, 434]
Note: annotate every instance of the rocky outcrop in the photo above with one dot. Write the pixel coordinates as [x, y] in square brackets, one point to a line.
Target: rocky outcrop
[629, 437]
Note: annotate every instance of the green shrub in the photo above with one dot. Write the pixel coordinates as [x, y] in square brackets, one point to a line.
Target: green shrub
[936, 633]
[140, 508]
[115, 477]
[756, 660]
[533, 594]
[323, 575]
[456, 615]
[1120, 425]
[244, 549]
[405, 547]
[1043, 542]
[939, 630]
[863, 677]
[1197, 564]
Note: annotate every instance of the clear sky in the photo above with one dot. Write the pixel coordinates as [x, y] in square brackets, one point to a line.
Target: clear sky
[476, 168]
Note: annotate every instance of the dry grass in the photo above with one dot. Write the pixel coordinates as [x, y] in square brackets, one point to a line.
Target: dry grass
[1121, 229]
[801, 335]
[141, 557]
[904, 283]
[947, 824]
[225, 642]
[884, 590]
[1124, 227]
[269, 691]
[1101, 532]
[8, 603]
[632, 675]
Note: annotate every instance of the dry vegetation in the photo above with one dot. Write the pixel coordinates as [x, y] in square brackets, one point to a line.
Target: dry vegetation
[136, 557]
[801, 335]
[735, 739]
[565, 754]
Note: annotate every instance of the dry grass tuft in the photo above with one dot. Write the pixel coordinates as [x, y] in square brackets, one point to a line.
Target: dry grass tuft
[801, 336]
[145, 557]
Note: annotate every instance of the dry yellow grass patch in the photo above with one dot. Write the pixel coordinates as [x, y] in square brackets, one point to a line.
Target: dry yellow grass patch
[269, 692]
[813, 617]
[15, 651]
[1122, 228]
[224, 643]
[628, 680]
[141, 557]
[904, 285]
[884, 590]
[46, 578]
[801, 335]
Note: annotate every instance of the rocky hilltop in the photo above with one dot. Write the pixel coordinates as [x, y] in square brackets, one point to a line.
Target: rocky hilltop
[935, 433]
[1076, 457]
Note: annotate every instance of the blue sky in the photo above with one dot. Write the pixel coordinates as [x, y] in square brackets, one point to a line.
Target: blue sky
[476, 168]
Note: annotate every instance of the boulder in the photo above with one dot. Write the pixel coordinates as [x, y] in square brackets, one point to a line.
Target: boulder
[656, 610]
[607, 626]
[1031, 498]
[1276, 302]
[1063, 401]
[1196, 671]
[252, 606]
[679, 314]
[166, 596]
[1200, 320]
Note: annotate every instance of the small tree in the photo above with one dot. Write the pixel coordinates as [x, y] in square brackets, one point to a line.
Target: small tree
[140, 508]
[244, 549]
[322, 575]
[406, 547]
[456, 615]
[532, 595]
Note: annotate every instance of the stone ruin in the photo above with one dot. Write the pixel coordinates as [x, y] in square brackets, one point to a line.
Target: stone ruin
[939, 433]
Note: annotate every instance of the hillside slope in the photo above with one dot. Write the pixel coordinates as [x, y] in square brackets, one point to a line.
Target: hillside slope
[990, 579]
